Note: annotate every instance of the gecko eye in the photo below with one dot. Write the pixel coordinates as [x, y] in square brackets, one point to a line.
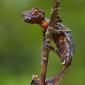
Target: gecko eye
[35, 12]
[39, 14]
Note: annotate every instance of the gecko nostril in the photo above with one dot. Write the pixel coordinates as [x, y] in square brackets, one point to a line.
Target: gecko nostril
[25, 13]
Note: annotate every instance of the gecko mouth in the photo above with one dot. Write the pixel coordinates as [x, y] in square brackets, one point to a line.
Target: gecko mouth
[28, 17]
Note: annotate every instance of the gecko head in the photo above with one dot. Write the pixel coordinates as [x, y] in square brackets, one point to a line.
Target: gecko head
[34, 16]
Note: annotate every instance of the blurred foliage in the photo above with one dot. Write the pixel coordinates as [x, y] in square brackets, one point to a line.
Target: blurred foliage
[20, 43]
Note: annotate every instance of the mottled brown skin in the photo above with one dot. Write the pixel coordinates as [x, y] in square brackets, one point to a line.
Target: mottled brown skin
[37, 16]
[63, 50]
[34, 16]
[62, 39]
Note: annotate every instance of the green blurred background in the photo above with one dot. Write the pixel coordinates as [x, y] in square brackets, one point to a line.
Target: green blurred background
[20, 43]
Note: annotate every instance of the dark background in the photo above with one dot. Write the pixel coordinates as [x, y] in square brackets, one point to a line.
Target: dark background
[20, 43]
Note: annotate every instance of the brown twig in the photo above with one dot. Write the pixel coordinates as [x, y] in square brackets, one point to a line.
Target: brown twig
[44, 57]
[45, 50]
[53, 80]
[44, 62]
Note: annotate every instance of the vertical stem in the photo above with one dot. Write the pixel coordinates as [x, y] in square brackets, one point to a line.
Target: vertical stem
[44, 56]
[44, 62]
[55, 13]
[45, 51]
